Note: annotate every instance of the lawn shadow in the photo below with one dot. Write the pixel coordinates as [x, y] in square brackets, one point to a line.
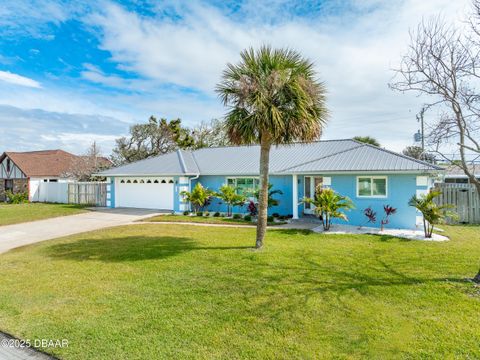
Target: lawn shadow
[129, 248]
[293, 232]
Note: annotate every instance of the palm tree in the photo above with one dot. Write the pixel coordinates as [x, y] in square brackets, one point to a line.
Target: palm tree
[271, 201]
[367, 140]
[273, 98]
[329, 205]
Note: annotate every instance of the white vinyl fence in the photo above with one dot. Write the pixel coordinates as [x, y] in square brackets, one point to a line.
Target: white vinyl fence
[465, 199]
[54, 192]
[84, 193]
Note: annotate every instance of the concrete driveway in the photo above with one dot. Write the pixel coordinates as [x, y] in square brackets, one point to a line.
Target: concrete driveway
[12, 236]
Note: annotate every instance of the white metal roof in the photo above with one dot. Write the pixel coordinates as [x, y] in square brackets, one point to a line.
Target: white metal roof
[317, 157]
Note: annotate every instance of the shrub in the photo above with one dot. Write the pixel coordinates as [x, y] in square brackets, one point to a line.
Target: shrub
[199, 213]
[276, 215]
[270, 218]
[186, 212]
[230, 197]
[282, 217]
[329, 205]
[237, 216]
[389, 210]
[271, 200]
[432, 212]
[217, 214]
[18, 198]
[247, 218]
[199, 197]
[252, 208]
[206, 213]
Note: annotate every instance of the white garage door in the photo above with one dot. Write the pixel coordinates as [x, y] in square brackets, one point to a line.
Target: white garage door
[144, 193]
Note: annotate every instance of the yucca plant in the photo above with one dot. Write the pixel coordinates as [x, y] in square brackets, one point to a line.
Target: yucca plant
[432, 213]
[329, 205]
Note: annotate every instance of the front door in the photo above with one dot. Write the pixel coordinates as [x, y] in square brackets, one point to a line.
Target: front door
[311, 183]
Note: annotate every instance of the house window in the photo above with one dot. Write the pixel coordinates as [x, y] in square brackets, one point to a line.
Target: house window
[8, 185]
[372, 186]
[53, 180]
[8, 165]
[245, 186]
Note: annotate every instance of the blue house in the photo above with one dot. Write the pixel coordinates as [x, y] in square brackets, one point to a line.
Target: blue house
[370, 176]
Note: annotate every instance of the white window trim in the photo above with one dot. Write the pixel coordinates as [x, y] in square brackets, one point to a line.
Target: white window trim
[242, 177]
[371, 178]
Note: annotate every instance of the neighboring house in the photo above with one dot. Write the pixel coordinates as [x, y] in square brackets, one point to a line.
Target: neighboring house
[370, 176]
[455, 175]
[26, 171]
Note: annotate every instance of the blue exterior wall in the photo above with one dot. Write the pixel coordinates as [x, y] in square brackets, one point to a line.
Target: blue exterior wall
[111, 193]
[283, 183]
[401, 187]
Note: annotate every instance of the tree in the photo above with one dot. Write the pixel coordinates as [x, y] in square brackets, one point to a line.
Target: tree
[367, 140]
[209, 134]
[271, 201]
[156, 137]
[273, 98]
[433, 214]
[417, 152]
[329, 205]
[199, 197]
[84, 166]
[230, 197]
[443, 64]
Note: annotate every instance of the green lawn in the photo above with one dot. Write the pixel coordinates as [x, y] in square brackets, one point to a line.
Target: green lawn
[204, 219]
[165, 291]
[19, 213]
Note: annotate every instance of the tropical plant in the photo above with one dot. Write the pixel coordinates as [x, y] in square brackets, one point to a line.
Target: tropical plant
[199, 197]
[371, 216]
[273, 98]
[329, 205]
[270, 200]
[367, 140]
[252, 208]
[230, 197]
[16, 198]
[433, 213]
[389, 211]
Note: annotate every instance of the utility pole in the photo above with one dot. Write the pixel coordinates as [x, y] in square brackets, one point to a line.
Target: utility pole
[422, 130]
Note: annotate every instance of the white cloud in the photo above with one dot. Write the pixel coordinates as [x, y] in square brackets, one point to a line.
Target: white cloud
[16, 79]
[353, 54]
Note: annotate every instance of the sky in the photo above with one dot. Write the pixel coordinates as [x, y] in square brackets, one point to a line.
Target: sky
[74, 72]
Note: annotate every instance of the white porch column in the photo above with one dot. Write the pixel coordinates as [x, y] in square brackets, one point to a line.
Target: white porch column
[295, 196]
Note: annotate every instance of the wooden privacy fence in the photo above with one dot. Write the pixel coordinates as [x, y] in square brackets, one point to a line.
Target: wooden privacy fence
[465, 199]
[88, 193]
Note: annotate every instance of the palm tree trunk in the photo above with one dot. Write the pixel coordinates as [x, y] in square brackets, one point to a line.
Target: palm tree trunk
[263, 194]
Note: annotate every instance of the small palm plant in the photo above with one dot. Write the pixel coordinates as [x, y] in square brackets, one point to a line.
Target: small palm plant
[433, 213]
[199, 197]
[329, 205]
[271, 200]
[230, 197]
